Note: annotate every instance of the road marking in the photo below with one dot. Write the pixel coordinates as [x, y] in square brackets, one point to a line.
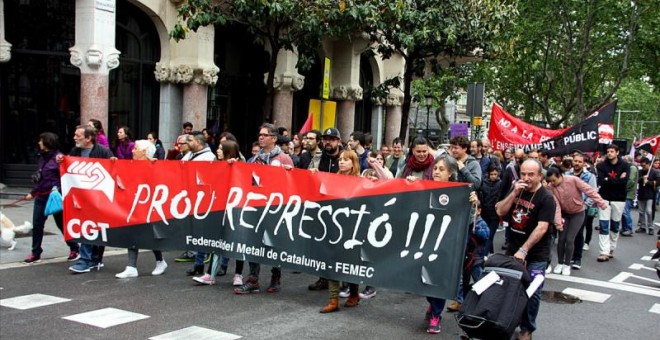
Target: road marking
[638, 266]
[646, 258]
[627, 287]
[196, 332]
[653, 251]
[106, 317]
[60, 259]
[587, 295]
[619, 278]
[655, 308]
[31, 301]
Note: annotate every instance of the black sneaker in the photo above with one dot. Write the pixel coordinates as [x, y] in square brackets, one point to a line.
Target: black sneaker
[577, 264]
[650, 231]
[368, 292]
[640, 231]
[32, 259]
[186, 256]
[274, 286]
[247, 288]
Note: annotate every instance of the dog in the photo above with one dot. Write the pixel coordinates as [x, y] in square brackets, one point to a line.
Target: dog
[8, 230]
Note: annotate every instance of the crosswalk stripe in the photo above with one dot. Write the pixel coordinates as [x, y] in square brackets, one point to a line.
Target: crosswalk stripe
[197, 333]
[106, 317]
[587, 295]
[31, 301]
[655, 308]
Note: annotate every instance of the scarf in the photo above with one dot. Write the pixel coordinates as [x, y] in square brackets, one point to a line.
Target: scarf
[265, 158]
[413, 165]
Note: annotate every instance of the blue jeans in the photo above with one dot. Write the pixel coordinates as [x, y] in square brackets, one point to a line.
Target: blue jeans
[492, 228]
[199, 258]
[91, 254]
[475, 273]
[38, 223]
[437, 305]
[529, 317]
[626, 219]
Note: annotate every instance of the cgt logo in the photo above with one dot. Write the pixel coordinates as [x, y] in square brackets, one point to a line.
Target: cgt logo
[88, 230]
[88, 176]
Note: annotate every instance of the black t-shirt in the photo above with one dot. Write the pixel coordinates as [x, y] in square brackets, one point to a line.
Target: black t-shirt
[528, 209]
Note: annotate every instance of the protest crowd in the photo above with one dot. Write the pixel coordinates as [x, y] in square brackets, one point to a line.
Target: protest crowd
[546, 204]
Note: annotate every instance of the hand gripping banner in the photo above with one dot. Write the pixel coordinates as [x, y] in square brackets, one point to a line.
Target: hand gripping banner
[391, 234]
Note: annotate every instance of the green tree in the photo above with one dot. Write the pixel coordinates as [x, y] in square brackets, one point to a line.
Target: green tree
[433, 36]
[565, 58]
[639, 107]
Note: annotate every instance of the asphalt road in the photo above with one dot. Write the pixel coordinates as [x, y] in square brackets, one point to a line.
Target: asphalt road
[628, 307]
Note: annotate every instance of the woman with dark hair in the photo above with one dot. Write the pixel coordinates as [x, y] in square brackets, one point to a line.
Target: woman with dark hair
[100, 134]
[419, 162]
[227, 151]
[124, 144]
[160, 150]
[46, 177]
[210, 140]
[568, 192]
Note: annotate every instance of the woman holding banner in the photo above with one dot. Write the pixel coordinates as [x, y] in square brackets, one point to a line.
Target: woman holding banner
[349, 164]
[143, 150]
[419, 162]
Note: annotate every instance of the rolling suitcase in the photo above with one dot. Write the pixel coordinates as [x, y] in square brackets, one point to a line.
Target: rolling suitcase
[495, 312]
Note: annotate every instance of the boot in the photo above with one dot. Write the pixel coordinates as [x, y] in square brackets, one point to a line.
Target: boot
[196, 270]
[353, 300]
[332, 306]
[320, 284]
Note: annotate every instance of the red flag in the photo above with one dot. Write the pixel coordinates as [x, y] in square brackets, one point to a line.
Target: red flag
[308, 123]
[649, 144]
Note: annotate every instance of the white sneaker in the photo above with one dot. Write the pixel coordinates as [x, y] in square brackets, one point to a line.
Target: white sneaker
[566, 271]
[128, 272]
[585, 246]
[558, 269]
[549, 269]
[238, 280]
[160, 268]
[204, 279]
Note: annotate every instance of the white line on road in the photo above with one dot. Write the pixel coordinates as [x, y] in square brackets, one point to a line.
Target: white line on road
[587, 295]
[638, 266]
[646, 258]
[655, 308]
[623, 276]
[626, 287]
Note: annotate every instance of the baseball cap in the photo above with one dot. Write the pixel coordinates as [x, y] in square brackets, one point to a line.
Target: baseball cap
[331, 132]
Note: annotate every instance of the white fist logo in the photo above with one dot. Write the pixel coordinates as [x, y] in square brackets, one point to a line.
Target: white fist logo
[88, 176]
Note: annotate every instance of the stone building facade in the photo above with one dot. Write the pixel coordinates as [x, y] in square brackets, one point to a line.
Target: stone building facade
[63, 62]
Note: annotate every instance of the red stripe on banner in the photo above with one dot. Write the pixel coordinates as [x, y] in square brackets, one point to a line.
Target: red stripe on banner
[125, 192]
[506, 130]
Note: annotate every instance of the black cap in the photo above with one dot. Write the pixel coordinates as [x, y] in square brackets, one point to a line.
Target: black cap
[331, 132]
[282, 140]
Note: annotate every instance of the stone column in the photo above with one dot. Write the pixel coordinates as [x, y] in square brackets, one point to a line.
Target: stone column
[393, 115]
[191, 64]
[377, 121]
[5, 47]
[285, 82]
[346, 98]
[95, 54]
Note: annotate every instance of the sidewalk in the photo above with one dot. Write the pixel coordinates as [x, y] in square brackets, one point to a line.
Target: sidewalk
[53, 243]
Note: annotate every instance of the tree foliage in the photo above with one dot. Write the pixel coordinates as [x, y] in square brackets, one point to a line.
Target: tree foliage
[565, 59]
[639, 110]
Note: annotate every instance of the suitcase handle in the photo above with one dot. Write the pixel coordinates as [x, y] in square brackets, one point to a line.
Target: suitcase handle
[460, 318]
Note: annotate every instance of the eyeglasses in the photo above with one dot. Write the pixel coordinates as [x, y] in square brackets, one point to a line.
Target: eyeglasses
[264, 135]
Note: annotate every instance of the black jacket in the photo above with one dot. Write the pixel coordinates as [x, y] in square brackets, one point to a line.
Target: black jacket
[611, 181]
[98, 151]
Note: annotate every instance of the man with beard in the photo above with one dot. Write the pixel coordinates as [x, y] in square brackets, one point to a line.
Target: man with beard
[91, 256]
[311, 156]
[531, 209]
[329, 162]
[613, 175]
[269, 154]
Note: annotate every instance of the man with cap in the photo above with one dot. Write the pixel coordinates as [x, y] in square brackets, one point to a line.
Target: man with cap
[329, 163]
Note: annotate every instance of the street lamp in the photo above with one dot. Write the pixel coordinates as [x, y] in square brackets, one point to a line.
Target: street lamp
[428, 100]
